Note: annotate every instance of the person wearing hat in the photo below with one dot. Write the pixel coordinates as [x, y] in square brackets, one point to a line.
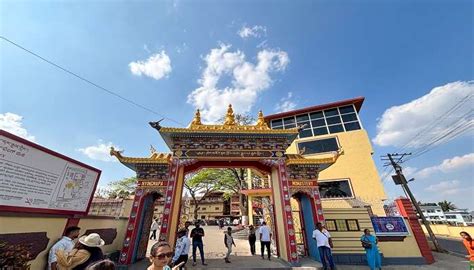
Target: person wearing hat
[86, 252]
[182, 249]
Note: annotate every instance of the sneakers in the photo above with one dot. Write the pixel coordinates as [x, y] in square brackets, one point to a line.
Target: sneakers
[194, 263]
[226, 260]
[204, 264]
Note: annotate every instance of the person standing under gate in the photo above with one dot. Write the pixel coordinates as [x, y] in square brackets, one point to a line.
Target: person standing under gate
[324, 244]
[197, 234]
[228, 242]
[252, 239]
[265, 239]
[182, 249]
[154, 228]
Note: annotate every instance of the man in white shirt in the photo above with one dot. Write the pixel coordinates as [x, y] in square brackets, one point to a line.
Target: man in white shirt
[153, 229]
[324, 244]
[182, 249]
[66, 243]
[265, 239]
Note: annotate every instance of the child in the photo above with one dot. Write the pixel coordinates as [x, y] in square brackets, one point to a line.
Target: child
[228, 241]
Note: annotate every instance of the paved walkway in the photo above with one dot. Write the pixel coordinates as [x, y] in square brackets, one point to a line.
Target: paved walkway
[241, 258]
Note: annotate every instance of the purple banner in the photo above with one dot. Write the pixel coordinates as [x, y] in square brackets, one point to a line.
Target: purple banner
[389, 226]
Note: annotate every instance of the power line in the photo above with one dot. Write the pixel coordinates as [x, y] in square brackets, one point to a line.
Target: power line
[91, 83]
[437, 121]
[457, 128]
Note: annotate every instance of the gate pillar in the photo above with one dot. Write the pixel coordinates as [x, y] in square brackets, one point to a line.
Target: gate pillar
[284, 220]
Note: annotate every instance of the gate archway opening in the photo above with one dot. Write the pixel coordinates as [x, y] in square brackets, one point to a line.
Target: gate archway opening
[222, 146]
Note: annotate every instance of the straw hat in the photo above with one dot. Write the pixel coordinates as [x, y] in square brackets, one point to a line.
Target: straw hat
[92, 240]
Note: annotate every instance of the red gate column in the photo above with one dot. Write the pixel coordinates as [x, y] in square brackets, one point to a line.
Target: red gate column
[318, 215]
[130, 243]
[284, 222]
[171, 195]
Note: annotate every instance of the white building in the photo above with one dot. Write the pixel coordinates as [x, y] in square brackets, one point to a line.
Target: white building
[433, 213]
[459, 217]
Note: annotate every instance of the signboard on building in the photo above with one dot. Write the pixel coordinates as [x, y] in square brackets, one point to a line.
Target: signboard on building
[389, 226]
[35, 179]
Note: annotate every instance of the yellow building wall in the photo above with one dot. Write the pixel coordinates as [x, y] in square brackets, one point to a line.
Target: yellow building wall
[54, 227]
[102, 223]
[349, 242]
[449, 231]
[357, 165]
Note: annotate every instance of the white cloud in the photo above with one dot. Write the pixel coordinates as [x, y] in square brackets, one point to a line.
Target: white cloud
[101, 151]
[12, 123]
[156, 66]
[254, 31]
[408, 171]
[445, 187]
[286, 103]
[448, 165]
[411, 122]
[247, 80]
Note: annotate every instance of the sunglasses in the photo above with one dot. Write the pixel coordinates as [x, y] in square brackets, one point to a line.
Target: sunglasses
[161, 256]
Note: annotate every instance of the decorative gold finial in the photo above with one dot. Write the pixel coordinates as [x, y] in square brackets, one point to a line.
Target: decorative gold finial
[197, 118]
[230, 118]
[261, 120]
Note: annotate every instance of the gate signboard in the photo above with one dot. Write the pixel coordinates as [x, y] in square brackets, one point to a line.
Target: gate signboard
[35, 179]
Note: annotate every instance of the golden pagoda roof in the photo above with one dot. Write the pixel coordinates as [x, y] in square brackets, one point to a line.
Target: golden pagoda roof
[155, 157]
[298, 159]
[230, 125]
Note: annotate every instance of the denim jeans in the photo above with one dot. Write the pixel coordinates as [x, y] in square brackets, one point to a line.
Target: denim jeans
[198, 244]
[326, 257]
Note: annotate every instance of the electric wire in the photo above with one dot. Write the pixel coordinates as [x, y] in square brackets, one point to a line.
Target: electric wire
[90, 82]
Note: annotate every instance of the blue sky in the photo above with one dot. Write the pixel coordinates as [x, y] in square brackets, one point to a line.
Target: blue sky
[412, 60]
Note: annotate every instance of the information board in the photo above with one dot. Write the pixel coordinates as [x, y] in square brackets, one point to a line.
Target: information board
[36, 179]
[389, 226]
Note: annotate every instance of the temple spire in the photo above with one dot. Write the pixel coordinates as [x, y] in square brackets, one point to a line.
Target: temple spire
[197, 118]
[261, 120]
[230, 118]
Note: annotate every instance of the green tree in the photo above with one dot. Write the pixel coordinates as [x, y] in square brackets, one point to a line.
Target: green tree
[122, 188]
[447, 206]
[200, 185]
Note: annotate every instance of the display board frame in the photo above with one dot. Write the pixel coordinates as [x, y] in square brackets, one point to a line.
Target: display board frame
[38, 210]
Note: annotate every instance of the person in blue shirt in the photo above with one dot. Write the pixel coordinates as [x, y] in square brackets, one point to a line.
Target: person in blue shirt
[182, 249]
[369, 242]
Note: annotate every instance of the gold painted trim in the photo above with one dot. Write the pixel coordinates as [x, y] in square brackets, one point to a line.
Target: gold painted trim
[156, 158]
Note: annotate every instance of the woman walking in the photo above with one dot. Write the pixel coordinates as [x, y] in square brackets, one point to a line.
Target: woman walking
[369, 242]
[228, 241]
[469, 244]
[252, 239]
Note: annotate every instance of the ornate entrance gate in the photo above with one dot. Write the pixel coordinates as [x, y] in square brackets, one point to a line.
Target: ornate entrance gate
[221, 146]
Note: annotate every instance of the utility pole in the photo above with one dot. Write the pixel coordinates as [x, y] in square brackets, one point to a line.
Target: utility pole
[401, 180]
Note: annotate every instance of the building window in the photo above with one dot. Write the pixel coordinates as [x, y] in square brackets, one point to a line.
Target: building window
[331, 225]
[217, 208]
[318, 146]
[342, 225]
[204, 209]
[335, 189]
[339, 119]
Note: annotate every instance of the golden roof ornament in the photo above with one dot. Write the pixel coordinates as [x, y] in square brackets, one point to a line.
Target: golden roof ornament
[197, 119]
[261, 120]
[230, 118]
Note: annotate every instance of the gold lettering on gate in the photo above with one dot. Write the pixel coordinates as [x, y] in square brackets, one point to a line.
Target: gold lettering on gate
[303, 183]
[152, 183]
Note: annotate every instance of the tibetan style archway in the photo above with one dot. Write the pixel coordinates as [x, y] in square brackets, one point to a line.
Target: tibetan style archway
[220, 146]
